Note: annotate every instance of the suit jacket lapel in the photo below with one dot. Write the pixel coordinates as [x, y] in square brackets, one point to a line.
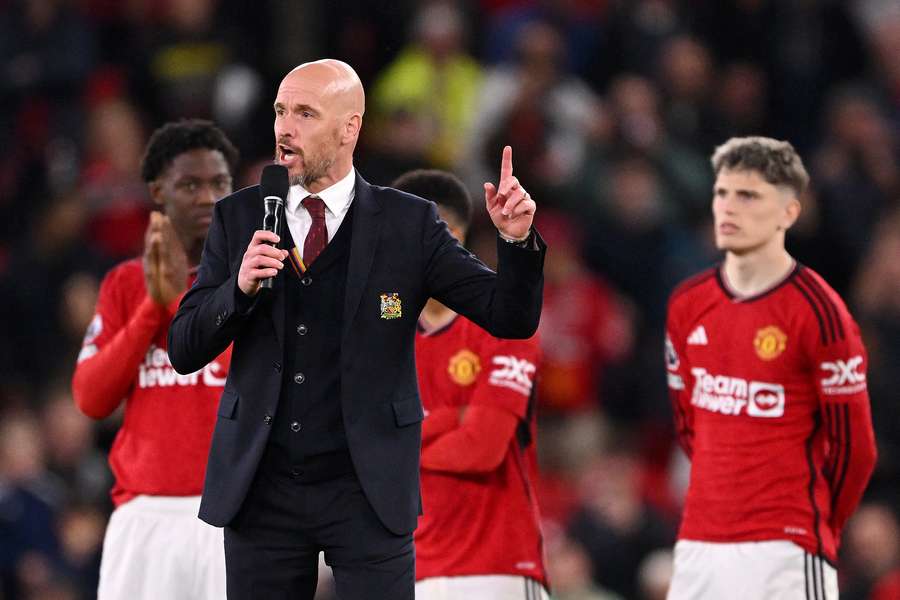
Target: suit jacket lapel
[366, 231]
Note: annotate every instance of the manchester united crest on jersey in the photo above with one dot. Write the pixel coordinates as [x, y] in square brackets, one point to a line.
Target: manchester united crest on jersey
[391, 306]
[464, 367]
[770, 342]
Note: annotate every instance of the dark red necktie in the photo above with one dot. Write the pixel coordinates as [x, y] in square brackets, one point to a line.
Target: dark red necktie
[317, 237]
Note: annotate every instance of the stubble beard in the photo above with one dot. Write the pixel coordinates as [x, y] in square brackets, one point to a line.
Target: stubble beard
[316, 166]
[313, 171]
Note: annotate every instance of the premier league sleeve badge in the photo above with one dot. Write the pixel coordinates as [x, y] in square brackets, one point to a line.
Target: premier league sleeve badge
[391, 307]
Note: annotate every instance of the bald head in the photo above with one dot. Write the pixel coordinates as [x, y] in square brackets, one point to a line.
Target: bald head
[318, 116]
[336, 81]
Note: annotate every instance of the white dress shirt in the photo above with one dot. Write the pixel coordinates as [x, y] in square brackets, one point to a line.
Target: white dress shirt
[337, 199]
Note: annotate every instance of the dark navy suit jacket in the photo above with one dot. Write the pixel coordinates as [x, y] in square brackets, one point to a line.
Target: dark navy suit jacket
[399, 246]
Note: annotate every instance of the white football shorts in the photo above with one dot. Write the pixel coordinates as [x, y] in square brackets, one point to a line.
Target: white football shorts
[480, 587]
[771, 570]
[156, 547]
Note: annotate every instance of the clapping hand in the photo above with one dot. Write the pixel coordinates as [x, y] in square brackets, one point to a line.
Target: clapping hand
[165, 261]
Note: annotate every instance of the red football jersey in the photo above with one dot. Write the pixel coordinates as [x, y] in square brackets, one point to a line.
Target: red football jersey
[162, 446]
[480, 523]
[771, 405]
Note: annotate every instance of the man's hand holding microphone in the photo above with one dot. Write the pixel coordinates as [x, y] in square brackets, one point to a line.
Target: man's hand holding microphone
[263, 259]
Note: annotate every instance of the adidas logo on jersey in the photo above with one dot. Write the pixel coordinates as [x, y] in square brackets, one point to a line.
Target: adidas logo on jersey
[698, 337]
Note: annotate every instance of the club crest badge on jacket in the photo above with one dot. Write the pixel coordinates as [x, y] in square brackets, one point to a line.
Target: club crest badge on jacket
[391, 307]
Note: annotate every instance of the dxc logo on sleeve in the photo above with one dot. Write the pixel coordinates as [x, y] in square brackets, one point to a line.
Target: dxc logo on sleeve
[843, 376]
[514, 373]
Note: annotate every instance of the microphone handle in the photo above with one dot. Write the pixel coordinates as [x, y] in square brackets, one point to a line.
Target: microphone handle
[274, 207]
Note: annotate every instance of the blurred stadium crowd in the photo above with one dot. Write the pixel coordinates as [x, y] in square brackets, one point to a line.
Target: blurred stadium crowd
[612, 108]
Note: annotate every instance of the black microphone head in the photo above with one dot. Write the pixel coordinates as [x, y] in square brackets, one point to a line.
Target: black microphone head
[274, 181]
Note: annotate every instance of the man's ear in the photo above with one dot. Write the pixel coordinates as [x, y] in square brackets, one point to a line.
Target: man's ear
[155, 188]
[351, 128]
[791, 213]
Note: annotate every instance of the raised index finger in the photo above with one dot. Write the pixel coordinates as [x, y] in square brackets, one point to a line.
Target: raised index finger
[506, 163]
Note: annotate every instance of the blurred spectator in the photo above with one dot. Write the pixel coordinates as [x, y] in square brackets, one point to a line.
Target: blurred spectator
[580, 22]
[636, 106]
[79, 295]
[614, 524]
[635, 35]
[654, 575]
[116, 196]
[567, 446]
[584, 326]
[740, 102]
[29, 546]
[431, 86]
[876, 297]
[635, 243]
[634, 240]
[34, 345]
[46, 55]
[570, 571]
[544, 113]
[400, 147]
[870, 550]
[72, 453]
[686, 73]
[806, 240]
[181, 57]
[81, 537]
[885, 42]
[803, 47]
[857, 174]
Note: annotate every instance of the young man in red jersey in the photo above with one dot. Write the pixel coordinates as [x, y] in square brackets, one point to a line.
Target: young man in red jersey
[479, 537]
[155, 546]
[768, 378]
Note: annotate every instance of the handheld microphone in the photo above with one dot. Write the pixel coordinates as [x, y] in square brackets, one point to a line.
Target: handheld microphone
[273, 187]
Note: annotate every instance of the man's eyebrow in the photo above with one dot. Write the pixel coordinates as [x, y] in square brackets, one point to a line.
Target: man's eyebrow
[297, 107]
[740, 191]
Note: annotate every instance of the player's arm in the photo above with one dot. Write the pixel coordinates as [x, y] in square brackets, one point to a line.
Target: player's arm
[439, 421]
[840, 370]
[477, 444]
[113, 349]
[679, 381]
[488, 425]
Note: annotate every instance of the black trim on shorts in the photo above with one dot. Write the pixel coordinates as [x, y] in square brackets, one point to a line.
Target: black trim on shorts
[529, 590]
[814, 577]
